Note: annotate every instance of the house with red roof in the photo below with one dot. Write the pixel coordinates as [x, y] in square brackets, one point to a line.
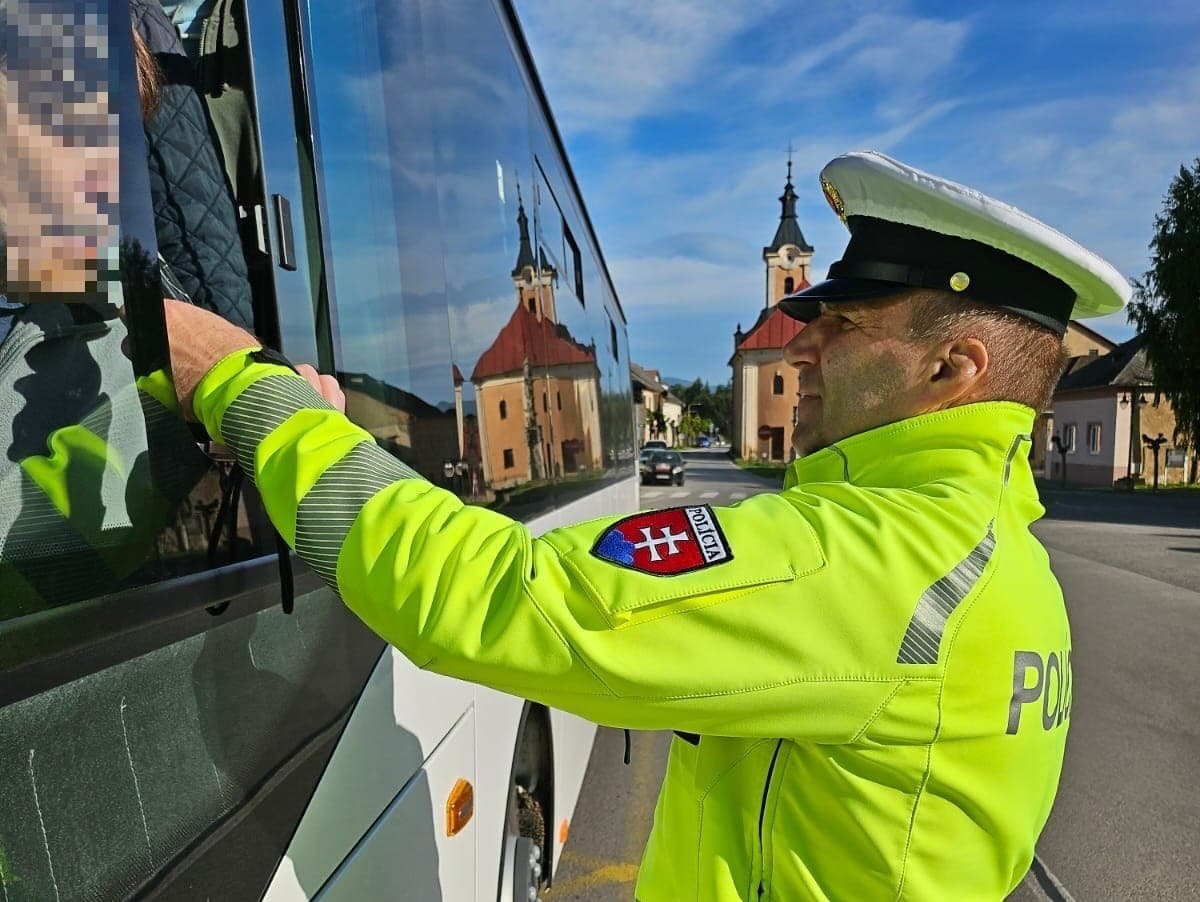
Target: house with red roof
[764, 387]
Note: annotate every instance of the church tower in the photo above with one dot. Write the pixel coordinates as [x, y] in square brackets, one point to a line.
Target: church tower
[533, 277]
[788, 257]
[764, 386]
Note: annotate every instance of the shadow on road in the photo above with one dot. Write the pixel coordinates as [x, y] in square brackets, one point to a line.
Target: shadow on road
[1142, 509]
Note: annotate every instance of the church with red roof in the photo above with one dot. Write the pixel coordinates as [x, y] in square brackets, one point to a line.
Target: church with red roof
[764, 387]
[537, 389]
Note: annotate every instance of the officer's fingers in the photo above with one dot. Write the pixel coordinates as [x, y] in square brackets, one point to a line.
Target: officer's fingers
[310, 373]
[326, 386]
[333, 393]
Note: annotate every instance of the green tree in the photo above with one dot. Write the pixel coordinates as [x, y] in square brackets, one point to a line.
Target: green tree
[690, 426]
[722, 408]
[658, 423]
[1166, 307]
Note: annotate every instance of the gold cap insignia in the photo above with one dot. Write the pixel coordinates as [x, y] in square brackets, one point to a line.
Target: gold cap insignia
[834, 199]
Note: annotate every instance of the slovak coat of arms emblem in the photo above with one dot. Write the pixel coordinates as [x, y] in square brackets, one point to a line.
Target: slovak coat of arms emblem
[665, 542]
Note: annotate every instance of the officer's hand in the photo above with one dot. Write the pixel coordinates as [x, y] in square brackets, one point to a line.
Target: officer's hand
[199, 340]
[327, 386]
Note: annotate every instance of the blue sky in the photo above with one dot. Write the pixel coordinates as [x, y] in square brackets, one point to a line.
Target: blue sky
[677, 115]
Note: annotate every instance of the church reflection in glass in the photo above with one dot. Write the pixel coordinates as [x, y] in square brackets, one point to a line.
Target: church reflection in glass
[536, 387]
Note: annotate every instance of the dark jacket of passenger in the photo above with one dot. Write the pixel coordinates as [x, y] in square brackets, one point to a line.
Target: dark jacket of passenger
[194, 214]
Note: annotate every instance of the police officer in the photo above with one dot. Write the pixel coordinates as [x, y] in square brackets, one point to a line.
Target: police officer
[869, 671]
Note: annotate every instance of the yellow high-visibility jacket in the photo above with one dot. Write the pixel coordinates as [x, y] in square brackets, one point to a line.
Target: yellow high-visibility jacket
[874, 662]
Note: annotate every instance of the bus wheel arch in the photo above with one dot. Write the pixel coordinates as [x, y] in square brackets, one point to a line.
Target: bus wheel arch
[528, 823]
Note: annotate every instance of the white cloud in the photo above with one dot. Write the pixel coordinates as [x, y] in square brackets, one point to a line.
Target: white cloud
[609, 62]
[675, 210]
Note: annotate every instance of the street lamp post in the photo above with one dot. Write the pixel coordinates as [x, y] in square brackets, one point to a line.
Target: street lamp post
[1060, 446]
[1154, 444]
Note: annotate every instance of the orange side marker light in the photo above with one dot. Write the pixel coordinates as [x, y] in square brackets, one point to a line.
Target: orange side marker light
[460, 806]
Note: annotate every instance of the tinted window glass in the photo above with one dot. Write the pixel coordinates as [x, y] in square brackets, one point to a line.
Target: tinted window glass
[101, 485]
[457, 277]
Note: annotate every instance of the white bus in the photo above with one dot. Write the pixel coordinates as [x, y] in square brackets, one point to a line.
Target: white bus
[186, 711]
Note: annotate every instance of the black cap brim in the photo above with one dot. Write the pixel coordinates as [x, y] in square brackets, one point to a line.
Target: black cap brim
[805, 305]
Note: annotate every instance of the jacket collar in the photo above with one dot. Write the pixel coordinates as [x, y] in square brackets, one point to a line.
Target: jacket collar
[966, 440]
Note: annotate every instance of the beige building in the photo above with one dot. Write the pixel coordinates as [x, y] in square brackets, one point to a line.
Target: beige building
[1105, 406]
[656, 412]
[537, 390]
[1083, 345]
[764, 387]
[418, 433]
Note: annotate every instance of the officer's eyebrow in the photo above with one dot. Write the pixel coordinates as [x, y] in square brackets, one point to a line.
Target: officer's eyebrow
[842, 308]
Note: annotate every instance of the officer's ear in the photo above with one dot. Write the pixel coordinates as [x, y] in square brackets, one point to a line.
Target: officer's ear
[956, 372]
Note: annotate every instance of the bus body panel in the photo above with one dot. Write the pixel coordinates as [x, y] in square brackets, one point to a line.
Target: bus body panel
[402, 716]
[407, 855]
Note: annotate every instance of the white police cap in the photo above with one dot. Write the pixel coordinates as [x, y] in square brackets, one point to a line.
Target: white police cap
[909, 229]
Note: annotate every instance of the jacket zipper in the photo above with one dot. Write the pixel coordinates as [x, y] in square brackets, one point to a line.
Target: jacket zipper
[762, 816]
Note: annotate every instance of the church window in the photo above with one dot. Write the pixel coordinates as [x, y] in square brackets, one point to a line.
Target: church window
[545, 402]
[508, 458]
[789, 285]
[504, 410]
[777, 385]
[532, 306]
[558, 398]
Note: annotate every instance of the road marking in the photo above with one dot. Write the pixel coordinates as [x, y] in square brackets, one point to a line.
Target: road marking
[709, 494]
[680, 494]
[736, 496]
[600, 872]
[652, 494]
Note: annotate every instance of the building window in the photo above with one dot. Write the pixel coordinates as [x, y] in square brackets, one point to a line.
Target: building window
[1093, 438]
[1069, 437]
[545, 402]
[789, 285]
[576, 261]
[558, 398]
[504, 410]
[508, 458]
[777, 385]
[532, 306]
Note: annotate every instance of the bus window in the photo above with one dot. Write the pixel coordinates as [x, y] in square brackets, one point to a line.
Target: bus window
[162, 727]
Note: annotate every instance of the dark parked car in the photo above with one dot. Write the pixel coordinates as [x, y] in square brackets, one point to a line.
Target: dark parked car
[650, 447]
[663, 466]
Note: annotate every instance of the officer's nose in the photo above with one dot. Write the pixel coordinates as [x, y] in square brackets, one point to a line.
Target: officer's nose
[805, 347]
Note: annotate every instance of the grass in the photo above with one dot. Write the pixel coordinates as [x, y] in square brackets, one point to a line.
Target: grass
[1193, 488]
[769, 469]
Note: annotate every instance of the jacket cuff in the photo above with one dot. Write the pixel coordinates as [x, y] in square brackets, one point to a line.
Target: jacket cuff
[221, 385]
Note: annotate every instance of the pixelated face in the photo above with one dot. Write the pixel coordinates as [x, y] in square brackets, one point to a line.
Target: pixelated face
[58, 210]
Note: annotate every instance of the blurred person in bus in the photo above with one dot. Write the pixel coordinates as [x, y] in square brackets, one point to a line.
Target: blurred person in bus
[81, 499]
[868, 672]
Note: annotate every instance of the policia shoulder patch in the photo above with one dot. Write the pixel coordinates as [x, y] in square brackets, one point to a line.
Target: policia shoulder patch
[665, 542]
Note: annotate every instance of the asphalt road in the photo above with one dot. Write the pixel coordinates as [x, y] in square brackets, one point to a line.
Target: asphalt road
[1126, 824]
[1127, 821]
